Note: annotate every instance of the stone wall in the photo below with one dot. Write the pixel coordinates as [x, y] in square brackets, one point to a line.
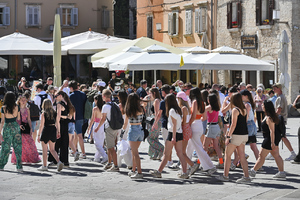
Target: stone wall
[268, 37]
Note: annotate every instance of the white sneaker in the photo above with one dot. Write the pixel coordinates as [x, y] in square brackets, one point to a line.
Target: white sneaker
[131, 173]
[184, 176]
[270, 157]
[280, 175]
[97, 160]
[211, 171]
[104, 160]
[82, 156]
[244, 180]
[43, 168]
[20, 170]
[223, 178]
[137, 176]
[292, 157]
[252, 173]
[194, 168]
[60, 166]
[169, 163]
[232, 167]
[76, 156]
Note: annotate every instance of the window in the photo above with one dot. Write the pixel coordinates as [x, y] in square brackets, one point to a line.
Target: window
[33, 15]
[188, 21]
[193, 77]
[68, 15]
[149, 26]
[105, 18]
[200, 20]
[173, 23]
[4, 16]
[264, 12]
[234, 15]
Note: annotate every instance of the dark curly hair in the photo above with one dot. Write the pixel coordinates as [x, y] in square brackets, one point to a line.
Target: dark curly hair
[9, 102]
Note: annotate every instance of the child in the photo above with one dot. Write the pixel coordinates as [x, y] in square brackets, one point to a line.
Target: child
[29, 150]
[48, 134]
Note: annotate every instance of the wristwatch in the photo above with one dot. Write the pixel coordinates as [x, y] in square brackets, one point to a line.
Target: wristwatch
[227, 136]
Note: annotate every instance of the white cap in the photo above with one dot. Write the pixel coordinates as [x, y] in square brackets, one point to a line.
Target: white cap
[101, 83]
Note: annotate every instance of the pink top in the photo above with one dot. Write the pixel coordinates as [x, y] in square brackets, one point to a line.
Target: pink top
[24, 115]
[212, 117]
[97, 120]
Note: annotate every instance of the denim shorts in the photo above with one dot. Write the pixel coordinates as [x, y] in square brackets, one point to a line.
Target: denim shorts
[71, 127]
[252, 130]
[78, 126]
[135, 133]
[213, 130]
[33, 123]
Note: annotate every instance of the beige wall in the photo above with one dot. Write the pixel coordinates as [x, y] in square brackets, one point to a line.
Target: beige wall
[89, 16]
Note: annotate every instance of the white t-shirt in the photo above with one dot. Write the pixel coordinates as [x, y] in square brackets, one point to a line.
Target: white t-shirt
[222, 98]
[66, 90]
[106, 109]
[172, 113]
[37, 99]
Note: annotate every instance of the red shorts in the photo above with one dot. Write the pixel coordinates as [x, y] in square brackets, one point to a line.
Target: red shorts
[187, 132]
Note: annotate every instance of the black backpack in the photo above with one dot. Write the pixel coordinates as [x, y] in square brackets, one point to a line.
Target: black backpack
[280, 127]
[34, 111]
[116, 117]
[43, 97]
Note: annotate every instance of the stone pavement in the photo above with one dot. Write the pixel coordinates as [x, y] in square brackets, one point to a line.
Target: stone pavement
[86, 179]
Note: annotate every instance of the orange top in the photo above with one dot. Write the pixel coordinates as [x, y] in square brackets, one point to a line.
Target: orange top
[198, 116]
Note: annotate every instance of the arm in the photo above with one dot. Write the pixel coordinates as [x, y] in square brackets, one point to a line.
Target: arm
[125, 122]
[271, 125]
[28, 118]
[248, 109]
[41, 127]
[184, 114]
[57, 121]
[103, 118]
[157, 116]
[1, 126]
[194, 112]
[234, 117]
[174, 130]
[92, 120]
[295, 102]
[225, 105]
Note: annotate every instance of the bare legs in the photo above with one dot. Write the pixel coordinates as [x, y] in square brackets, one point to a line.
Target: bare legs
[136, 161]
[52, 151]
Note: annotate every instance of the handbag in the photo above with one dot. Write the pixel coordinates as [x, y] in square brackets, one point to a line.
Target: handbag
[25, 125]
[150, 120]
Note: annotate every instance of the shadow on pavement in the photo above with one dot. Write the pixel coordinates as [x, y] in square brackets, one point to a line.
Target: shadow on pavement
[30, 173]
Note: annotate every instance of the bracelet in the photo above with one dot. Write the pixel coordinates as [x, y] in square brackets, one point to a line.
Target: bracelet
[227, 136]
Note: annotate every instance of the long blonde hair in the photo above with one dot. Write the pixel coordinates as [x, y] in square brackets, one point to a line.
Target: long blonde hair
[182, 103]
[48, 109]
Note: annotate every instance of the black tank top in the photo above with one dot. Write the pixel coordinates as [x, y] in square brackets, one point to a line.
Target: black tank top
[49, 121]
[66, 111]
[241, 124]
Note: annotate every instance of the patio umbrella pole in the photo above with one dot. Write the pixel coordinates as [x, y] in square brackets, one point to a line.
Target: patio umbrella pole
[154, 77]
[132, 77]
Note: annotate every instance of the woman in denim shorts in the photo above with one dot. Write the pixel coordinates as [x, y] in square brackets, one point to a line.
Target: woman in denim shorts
[249, 104]
[134, 115]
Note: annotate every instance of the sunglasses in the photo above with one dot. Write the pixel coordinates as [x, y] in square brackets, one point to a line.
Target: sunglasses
[56, 96]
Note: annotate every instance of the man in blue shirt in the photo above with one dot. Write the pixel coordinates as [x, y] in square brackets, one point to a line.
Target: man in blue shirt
[78, 100]
[141, 91]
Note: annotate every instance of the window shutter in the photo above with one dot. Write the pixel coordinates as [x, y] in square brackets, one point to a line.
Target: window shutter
[6, 16]
[74, 17]
[170, 23]
[105, 19]
[258, 12]
[59, 11]
[229, 15]
[35, 15]
[239, 14]
[271, 8]
[149, 27]
[203, 15]
[177, 23]
[197, 20]
[29, 16]
[188, 22]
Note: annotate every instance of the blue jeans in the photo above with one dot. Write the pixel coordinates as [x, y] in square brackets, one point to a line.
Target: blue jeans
[251, 128]
[78, 126]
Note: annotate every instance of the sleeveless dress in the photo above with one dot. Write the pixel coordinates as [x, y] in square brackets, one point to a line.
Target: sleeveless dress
[49, 130]
[29, 150]
[186, 129]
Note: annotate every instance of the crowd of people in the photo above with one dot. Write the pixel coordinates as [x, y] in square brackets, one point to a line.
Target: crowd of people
[208, 122]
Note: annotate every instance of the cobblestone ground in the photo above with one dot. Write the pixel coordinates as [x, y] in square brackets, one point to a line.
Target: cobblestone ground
[86, 179]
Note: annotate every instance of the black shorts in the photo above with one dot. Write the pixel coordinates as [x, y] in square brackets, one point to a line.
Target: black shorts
[251, 139]
[179, 136]
[266, 144]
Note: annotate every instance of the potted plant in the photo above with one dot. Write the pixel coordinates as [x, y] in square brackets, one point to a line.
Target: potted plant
[266, 22]
[234, 24]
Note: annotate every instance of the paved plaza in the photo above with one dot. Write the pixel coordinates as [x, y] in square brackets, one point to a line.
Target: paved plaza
[86, 179]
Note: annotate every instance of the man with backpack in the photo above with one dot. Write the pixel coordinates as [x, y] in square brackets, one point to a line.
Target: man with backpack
[113, 122]
[39, 99]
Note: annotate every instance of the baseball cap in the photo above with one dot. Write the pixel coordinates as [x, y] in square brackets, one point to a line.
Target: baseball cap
[278, 85]
[182, 95]
[245, 92]
[101, 84]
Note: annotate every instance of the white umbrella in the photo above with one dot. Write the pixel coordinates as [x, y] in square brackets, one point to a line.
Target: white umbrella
[195, 52]
[155, 57]
[94, 45]
[20, 44]
[104, 62]
[226, 58]
[57, 51]
[284, 78]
